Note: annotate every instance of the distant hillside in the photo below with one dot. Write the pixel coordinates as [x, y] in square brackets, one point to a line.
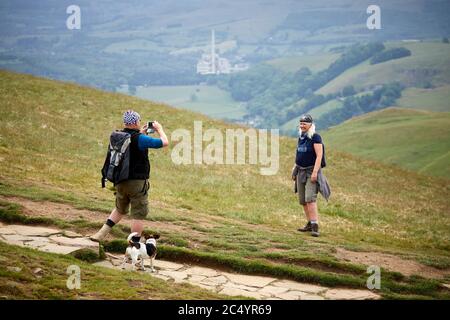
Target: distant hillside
[131, 42]
[429, 64]
[415, 140]
[425, 75]
[314, 62]
[208, 100]
[316, 113]
[433, 99]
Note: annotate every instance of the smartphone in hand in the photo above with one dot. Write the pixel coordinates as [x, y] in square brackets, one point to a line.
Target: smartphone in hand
[150, 127]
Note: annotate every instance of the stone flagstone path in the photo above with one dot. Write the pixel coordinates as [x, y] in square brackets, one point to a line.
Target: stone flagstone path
[232, 284]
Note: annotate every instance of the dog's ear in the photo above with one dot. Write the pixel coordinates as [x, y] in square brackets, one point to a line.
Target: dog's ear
[146, 235]
[156, 236]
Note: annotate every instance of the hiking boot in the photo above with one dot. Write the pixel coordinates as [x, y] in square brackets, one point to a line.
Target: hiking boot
[306, 228]
[101, 234]
[315, 230]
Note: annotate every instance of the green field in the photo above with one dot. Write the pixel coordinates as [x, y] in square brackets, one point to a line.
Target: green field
[415, 140]
[436, 99]
[315, 62]
[53, 140]
[429, 61]
[209, 100]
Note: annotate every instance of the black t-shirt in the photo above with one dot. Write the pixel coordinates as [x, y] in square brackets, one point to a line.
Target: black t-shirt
[306, 155]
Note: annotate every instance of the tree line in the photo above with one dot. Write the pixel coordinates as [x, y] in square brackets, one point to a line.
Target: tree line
[394, 53]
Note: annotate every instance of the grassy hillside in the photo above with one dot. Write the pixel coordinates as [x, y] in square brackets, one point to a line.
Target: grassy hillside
[415, 140]
[429, 61]
[436, 99]
[53, 140]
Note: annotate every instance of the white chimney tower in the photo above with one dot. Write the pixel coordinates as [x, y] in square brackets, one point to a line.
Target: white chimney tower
[213, 52]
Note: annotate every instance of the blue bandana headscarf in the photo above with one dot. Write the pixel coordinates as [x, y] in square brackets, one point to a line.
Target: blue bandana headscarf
[131, 117]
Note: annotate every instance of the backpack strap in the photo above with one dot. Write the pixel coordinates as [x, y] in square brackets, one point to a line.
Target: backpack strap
[105, 168]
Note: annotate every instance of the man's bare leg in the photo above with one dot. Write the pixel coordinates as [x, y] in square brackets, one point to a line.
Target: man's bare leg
[114, 218]
[137, 226]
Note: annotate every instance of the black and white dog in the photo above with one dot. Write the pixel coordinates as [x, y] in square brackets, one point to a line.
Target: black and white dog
[141, 250]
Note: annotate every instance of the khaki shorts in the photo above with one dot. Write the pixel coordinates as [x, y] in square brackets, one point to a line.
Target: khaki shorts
[307, 192]
[134, 192]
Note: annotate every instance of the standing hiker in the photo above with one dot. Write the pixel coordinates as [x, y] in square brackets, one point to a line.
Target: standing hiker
[307, 173]
[128, 166]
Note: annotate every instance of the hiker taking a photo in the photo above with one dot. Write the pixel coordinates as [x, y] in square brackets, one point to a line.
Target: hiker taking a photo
[307, 173]
[127, 165]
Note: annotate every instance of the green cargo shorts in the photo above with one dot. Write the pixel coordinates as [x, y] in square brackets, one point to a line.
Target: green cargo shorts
[307, 192]
[134, 192]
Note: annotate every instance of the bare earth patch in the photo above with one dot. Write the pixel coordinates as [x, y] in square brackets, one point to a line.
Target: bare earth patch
[66, 212]
[391, 263]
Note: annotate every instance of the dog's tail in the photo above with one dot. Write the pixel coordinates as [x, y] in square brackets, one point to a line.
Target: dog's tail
[133, 234]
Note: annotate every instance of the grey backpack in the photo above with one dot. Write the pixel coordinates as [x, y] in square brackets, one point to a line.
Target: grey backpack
[117, 163]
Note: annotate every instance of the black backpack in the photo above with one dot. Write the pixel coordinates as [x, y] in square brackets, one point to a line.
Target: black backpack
[323, 163]
[117, 163]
